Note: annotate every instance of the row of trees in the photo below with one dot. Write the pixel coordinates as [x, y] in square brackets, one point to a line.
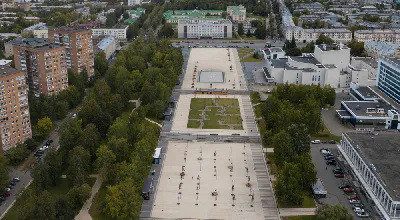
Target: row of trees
[292, 114]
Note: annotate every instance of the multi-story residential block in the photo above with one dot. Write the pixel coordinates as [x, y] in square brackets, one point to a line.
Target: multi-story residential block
[136, 13]
[134, 2]
[39, 30]
[391, 35]
[79, 48]
[7, 4]
[173, 16]
[205, 29]
[15, 125]
[44, 65]
[388, 77]
[237, 13]
[339, 35]
[378, 49]
[117, 32]
[311, 7]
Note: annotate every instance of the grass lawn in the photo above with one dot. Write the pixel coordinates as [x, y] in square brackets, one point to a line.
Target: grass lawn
[251, 59]
[325, 135]
[257, 110]
[249, 38]
[215, 113]
[244, 51]
[255, 97]
[96, 209]
[308, 202]
[300, 217]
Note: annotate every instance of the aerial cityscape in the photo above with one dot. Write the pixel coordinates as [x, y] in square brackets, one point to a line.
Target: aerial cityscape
[183, 109]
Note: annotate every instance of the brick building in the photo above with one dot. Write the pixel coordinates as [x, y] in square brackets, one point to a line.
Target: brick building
[15, 125]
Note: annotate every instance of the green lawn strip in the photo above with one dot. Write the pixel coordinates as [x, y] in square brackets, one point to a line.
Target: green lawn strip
[227, 102]
[234, 111]
[308, 201]
[233, 120]
[244, 51]
[193, 124]
[195, 114]
[325, 135]
[300, 217]
[96, 209]
[238, 127]
[200, 103]
[271, 164]
[251, 59]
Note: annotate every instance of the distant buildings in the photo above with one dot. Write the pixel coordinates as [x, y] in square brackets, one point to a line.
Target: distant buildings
[378, 49]
[39, 30]
[117, 32]
[237, 13]
[14, 111]
[339, 35]
[391, 35]
[134, 2]
[134, 15]
[43, 63]
[174, 16]
[79, 48]
[7, 4]
[205, 29]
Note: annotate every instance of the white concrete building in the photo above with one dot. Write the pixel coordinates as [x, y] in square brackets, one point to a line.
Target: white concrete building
[373, 160]
[119, 33]
[205, 29]
[363, 70]
[108, 45]
[134, 2]
[319, 68]
[39, 30]
[273, 53]
[339, 35]
[391, 35]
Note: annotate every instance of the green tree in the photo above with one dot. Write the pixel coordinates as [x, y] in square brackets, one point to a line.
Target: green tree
[123, 201]
[322, 39]
[119, 129]
[70, 132]
[166, 31]
[336, 212]
[105, 160]
[306, 167]
[287, 187]
[261, 32]
[90, 139]
[3, 172]
[300, 138]
[121, 148]
[356, 48]
[63, 209]
[240, 29]
[111, 20]
[283, 149]
[44, 207]
[92, 113]
[78, 166]
[54, 162]
[17, 154]
[248, 34]
[293, 52]
[156, 109]
[100, 63]
[41, 175]
[78, 195]
[44, 127]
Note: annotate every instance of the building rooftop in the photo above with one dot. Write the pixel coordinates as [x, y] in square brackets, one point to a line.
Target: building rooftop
[305, 59]
[103, 44]
[237, 9]
[382, 154]
[189, 14]
[6, 70]
[279, 63]
[368, 108]
[38, 26]
[4, 62]
[368, 60]
[367, 92]
[394, 60]
[35, 43]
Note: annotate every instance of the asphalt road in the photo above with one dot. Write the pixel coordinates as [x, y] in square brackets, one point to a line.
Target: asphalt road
[335, 196]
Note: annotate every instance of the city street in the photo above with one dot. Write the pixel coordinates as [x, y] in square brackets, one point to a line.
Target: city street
[335, 195]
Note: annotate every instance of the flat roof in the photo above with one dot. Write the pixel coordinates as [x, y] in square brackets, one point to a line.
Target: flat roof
[382, 151]
[367, 92]
[279, 63]
[368, 60]
[307, 59]
[343, 113]
[359, 108]
[103, 44]
[394, 60]
[6, 70]
[35, 43]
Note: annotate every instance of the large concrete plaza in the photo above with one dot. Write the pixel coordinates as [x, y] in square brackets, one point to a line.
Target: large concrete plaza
[216, 60]
[207, 169]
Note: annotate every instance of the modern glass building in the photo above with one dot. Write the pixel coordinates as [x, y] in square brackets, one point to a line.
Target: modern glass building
[388, 77]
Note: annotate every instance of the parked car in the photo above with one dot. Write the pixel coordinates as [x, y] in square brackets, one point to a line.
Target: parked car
[338, 170]
[344, 186]
[75, 115]
[13, 183]
[332, 142]
[354, 196]
[354, 201]
[332, 162]
[10, 186]
[362, 214]
[329, 157]
[5, 194]
[2, 198]
[358, 209]
[323, 149]
[44, 148]
[359, 205]
[339, 175]
[48, 142]
[7, 189]
[325, 152]
[348, 190]
[37, 154]
[315, 141]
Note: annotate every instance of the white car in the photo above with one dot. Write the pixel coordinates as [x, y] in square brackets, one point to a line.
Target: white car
[324, 152]
[358, 209]
[7, 189]
[44, 148]
[74, 115]
[354, 201]
[316, 142]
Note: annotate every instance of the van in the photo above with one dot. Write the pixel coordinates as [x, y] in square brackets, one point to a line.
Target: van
[316, 142]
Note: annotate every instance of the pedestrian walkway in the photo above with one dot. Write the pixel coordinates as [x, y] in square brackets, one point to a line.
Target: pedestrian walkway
[297, 211]
[151, 121]
[84, 213]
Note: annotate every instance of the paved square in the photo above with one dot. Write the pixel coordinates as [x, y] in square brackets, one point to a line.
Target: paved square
[206, 60]
[211, 163]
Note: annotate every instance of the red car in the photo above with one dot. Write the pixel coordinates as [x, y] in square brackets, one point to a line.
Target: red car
[348, 190]
[339, 175]
[5, 194]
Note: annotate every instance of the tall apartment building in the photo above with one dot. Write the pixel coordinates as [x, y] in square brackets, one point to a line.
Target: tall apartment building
[15, 125]
[339, 35]
[390, 35]
[44, 65]
[78, 45]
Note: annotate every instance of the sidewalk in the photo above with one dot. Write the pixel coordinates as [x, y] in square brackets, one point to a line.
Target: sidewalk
[84, 213]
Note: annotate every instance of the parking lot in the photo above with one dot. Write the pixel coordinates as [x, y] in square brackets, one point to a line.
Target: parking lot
[335, 195]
